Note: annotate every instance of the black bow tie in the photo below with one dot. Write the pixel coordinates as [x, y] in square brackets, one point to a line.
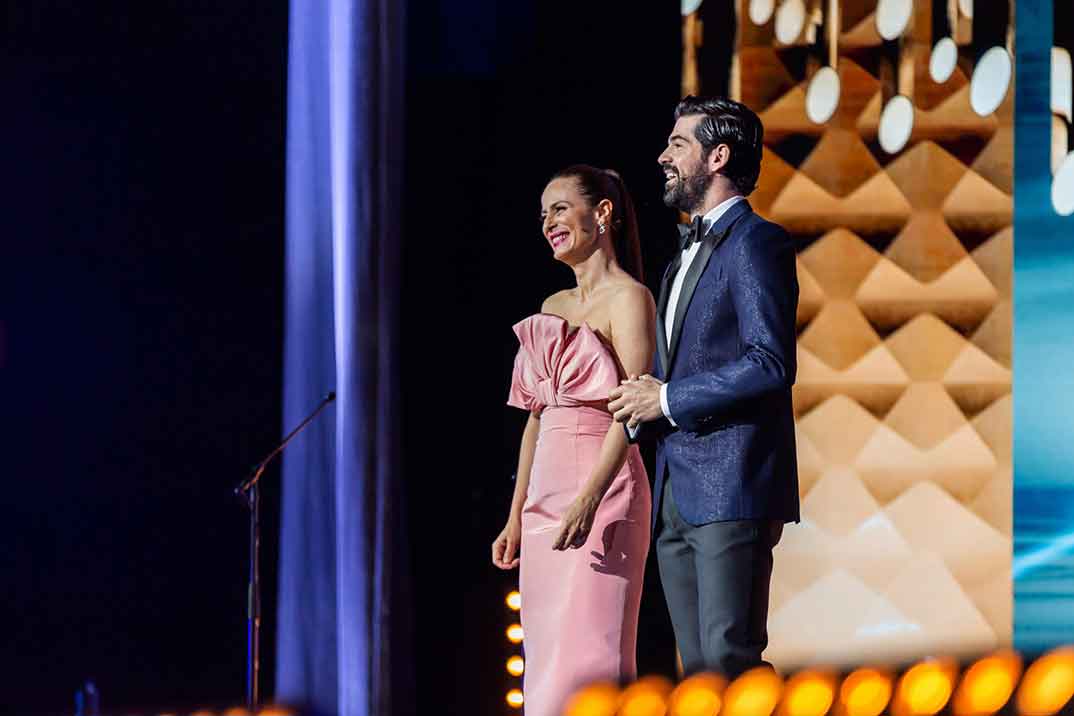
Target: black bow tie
[689, 233]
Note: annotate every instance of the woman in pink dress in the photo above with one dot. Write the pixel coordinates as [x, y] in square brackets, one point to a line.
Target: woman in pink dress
[579, 520]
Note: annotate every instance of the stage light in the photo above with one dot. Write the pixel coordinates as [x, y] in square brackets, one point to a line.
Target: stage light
[790, 21]
[516, 665]
[825, 87]
[647, 696]
[893, 17]
[944, 57]
[1062, 109]
[514, 601]
[925, 689]
[810, 693]
[865, 692]
[514, 698]
[600, 699]
[1048, 684]
[761, 11]
[896, 123]
[987, 686]
[236, 711]
[822, 95]
[689, 7]
[514, 634]
[991, 80]
[699, 695]
[992, 74]
[754, 693]
[943, 60]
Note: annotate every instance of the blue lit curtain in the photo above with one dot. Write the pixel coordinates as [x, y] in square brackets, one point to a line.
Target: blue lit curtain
[343, 634]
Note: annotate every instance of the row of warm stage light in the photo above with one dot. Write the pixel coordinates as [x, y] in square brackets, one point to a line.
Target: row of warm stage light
[516, 664]
[928, 688]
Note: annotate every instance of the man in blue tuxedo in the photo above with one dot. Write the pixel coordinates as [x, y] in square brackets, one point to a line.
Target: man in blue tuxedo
[719, 400]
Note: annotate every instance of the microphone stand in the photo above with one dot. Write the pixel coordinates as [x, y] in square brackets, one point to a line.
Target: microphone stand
[248, 492]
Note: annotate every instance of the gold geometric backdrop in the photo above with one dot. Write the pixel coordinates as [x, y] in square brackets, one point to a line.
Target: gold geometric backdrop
[902, 400]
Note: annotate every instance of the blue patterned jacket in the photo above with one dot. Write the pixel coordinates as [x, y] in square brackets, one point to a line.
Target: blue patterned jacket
[729, 372]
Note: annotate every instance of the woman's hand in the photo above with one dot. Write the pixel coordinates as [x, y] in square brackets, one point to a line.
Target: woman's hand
[574, 529]
[505, 547]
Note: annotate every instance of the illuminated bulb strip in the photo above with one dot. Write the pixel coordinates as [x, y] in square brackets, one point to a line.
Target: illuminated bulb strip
[865, 692]
[514, 698]
[1048, 685]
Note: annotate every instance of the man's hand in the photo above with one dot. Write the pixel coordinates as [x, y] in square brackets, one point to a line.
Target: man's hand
[636, 400]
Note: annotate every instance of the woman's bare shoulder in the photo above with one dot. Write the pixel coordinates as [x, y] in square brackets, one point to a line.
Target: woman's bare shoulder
[632, 295]
[556, 302]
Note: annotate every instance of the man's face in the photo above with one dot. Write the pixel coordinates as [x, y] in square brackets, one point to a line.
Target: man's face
[687, 178]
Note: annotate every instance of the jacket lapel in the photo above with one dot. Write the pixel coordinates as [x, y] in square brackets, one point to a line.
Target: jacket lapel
[715, 236]
[661, 311]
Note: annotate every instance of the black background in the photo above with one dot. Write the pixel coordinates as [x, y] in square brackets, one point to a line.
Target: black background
[141, 320]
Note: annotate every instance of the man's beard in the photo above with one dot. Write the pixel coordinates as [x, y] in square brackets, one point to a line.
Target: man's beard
[688, 193]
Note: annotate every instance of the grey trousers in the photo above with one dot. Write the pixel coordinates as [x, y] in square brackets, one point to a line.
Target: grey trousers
[716, 579]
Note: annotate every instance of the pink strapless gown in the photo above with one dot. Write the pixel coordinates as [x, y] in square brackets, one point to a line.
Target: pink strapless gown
[580, 606]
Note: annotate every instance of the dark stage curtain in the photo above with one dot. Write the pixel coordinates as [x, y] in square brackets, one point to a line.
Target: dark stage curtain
[343, 639]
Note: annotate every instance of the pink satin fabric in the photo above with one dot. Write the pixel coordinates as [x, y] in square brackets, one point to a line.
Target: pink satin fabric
[579, 606]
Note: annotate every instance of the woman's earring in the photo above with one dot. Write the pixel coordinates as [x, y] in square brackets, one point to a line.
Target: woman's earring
[600, 227]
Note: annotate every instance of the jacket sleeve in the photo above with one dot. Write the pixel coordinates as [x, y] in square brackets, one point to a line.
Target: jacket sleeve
[763, 284]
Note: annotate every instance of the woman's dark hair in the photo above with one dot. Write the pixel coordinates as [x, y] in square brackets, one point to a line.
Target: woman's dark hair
[596, 185]
[734, 124]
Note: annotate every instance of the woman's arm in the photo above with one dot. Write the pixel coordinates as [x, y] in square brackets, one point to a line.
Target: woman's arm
[633, 337]
[525, 464]
[505, 546]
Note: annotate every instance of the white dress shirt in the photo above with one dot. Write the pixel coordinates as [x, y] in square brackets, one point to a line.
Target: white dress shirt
[688, 256]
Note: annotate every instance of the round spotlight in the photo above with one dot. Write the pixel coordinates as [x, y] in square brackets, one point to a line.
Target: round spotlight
[990, 82]
[865, 692]
[514, 634]
[810, 693]
[689, 7]
[516, 666]
[893, 17]
[822, 97]
[1063, 187]
[647, 696]
[925, 689]
[600, 699]
[755, 693]
[515, 699]
[1048, 684]
[790, 21]
[761, 11]
[699, 695]
[987, 686]
[514, 601]
[896, 124]
[943, 60]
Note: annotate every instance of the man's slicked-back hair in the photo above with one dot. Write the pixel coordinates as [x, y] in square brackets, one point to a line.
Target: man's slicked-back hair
[725, 121]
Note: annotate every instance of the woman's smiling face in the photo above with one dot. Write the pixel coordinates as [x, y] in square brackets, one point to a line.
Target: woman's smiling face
[568, 223]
